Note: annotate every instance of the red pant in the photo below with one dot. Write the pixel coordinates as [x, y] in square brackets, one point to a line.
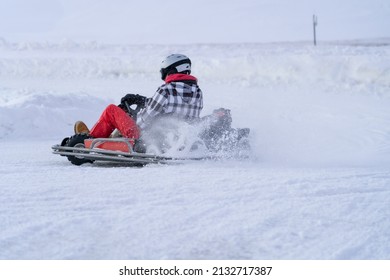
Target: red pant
[114, 117]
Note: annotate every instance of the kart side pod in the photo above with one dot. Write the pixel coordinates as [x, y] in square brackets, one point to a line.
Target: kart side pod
[112, 144]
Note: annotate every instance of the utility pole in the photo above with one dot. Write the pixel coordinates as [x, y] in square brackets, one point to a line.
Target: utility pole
[315, 22]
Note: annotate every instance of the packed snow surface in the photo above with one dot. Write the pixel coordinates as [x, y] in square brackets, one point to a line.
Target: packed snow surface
[316, 187]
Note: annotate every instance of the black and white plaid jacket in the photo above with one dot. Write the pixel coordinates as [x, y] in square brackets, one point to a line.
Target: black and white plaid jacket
[179, 97]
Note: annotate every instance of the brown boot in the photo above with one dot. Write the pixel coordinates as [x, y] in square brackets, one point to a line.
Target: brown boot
[80, 127]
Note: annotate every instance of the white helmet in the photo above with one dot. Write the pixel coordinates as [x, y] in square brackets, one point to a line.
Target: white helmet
[175, 63]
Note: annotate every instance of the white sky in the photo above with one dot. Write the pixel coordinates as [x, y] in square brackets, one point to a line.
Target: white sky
[201, 21]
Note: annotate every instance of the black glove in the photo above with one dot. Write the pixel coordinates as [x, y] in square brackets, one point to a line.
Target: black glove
[133, 99]
[129, 100]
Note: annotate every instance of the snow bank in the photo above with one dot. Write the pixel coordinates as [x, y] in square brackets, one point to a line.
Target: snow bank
[304, 104]
[361, 65]
[43, 115]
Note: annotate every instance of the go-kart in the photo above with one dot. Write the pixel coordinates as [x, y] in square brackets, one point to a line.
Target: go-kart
[166, 141]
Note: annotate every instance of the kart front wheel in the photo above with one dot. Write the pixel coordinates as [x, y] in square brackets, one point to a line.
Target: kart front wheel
[77, 141]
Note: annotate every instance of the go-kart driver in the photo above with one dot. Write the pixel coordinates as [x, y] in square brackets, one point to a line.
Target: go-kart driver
[179, 97]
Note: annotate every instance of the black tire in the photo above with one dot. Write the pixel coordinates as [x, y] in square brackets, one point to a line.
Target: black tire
[78, 142]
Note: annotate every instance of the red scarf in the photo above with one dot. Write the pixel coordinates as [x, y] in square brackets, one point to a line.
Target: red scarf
[180, 78]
